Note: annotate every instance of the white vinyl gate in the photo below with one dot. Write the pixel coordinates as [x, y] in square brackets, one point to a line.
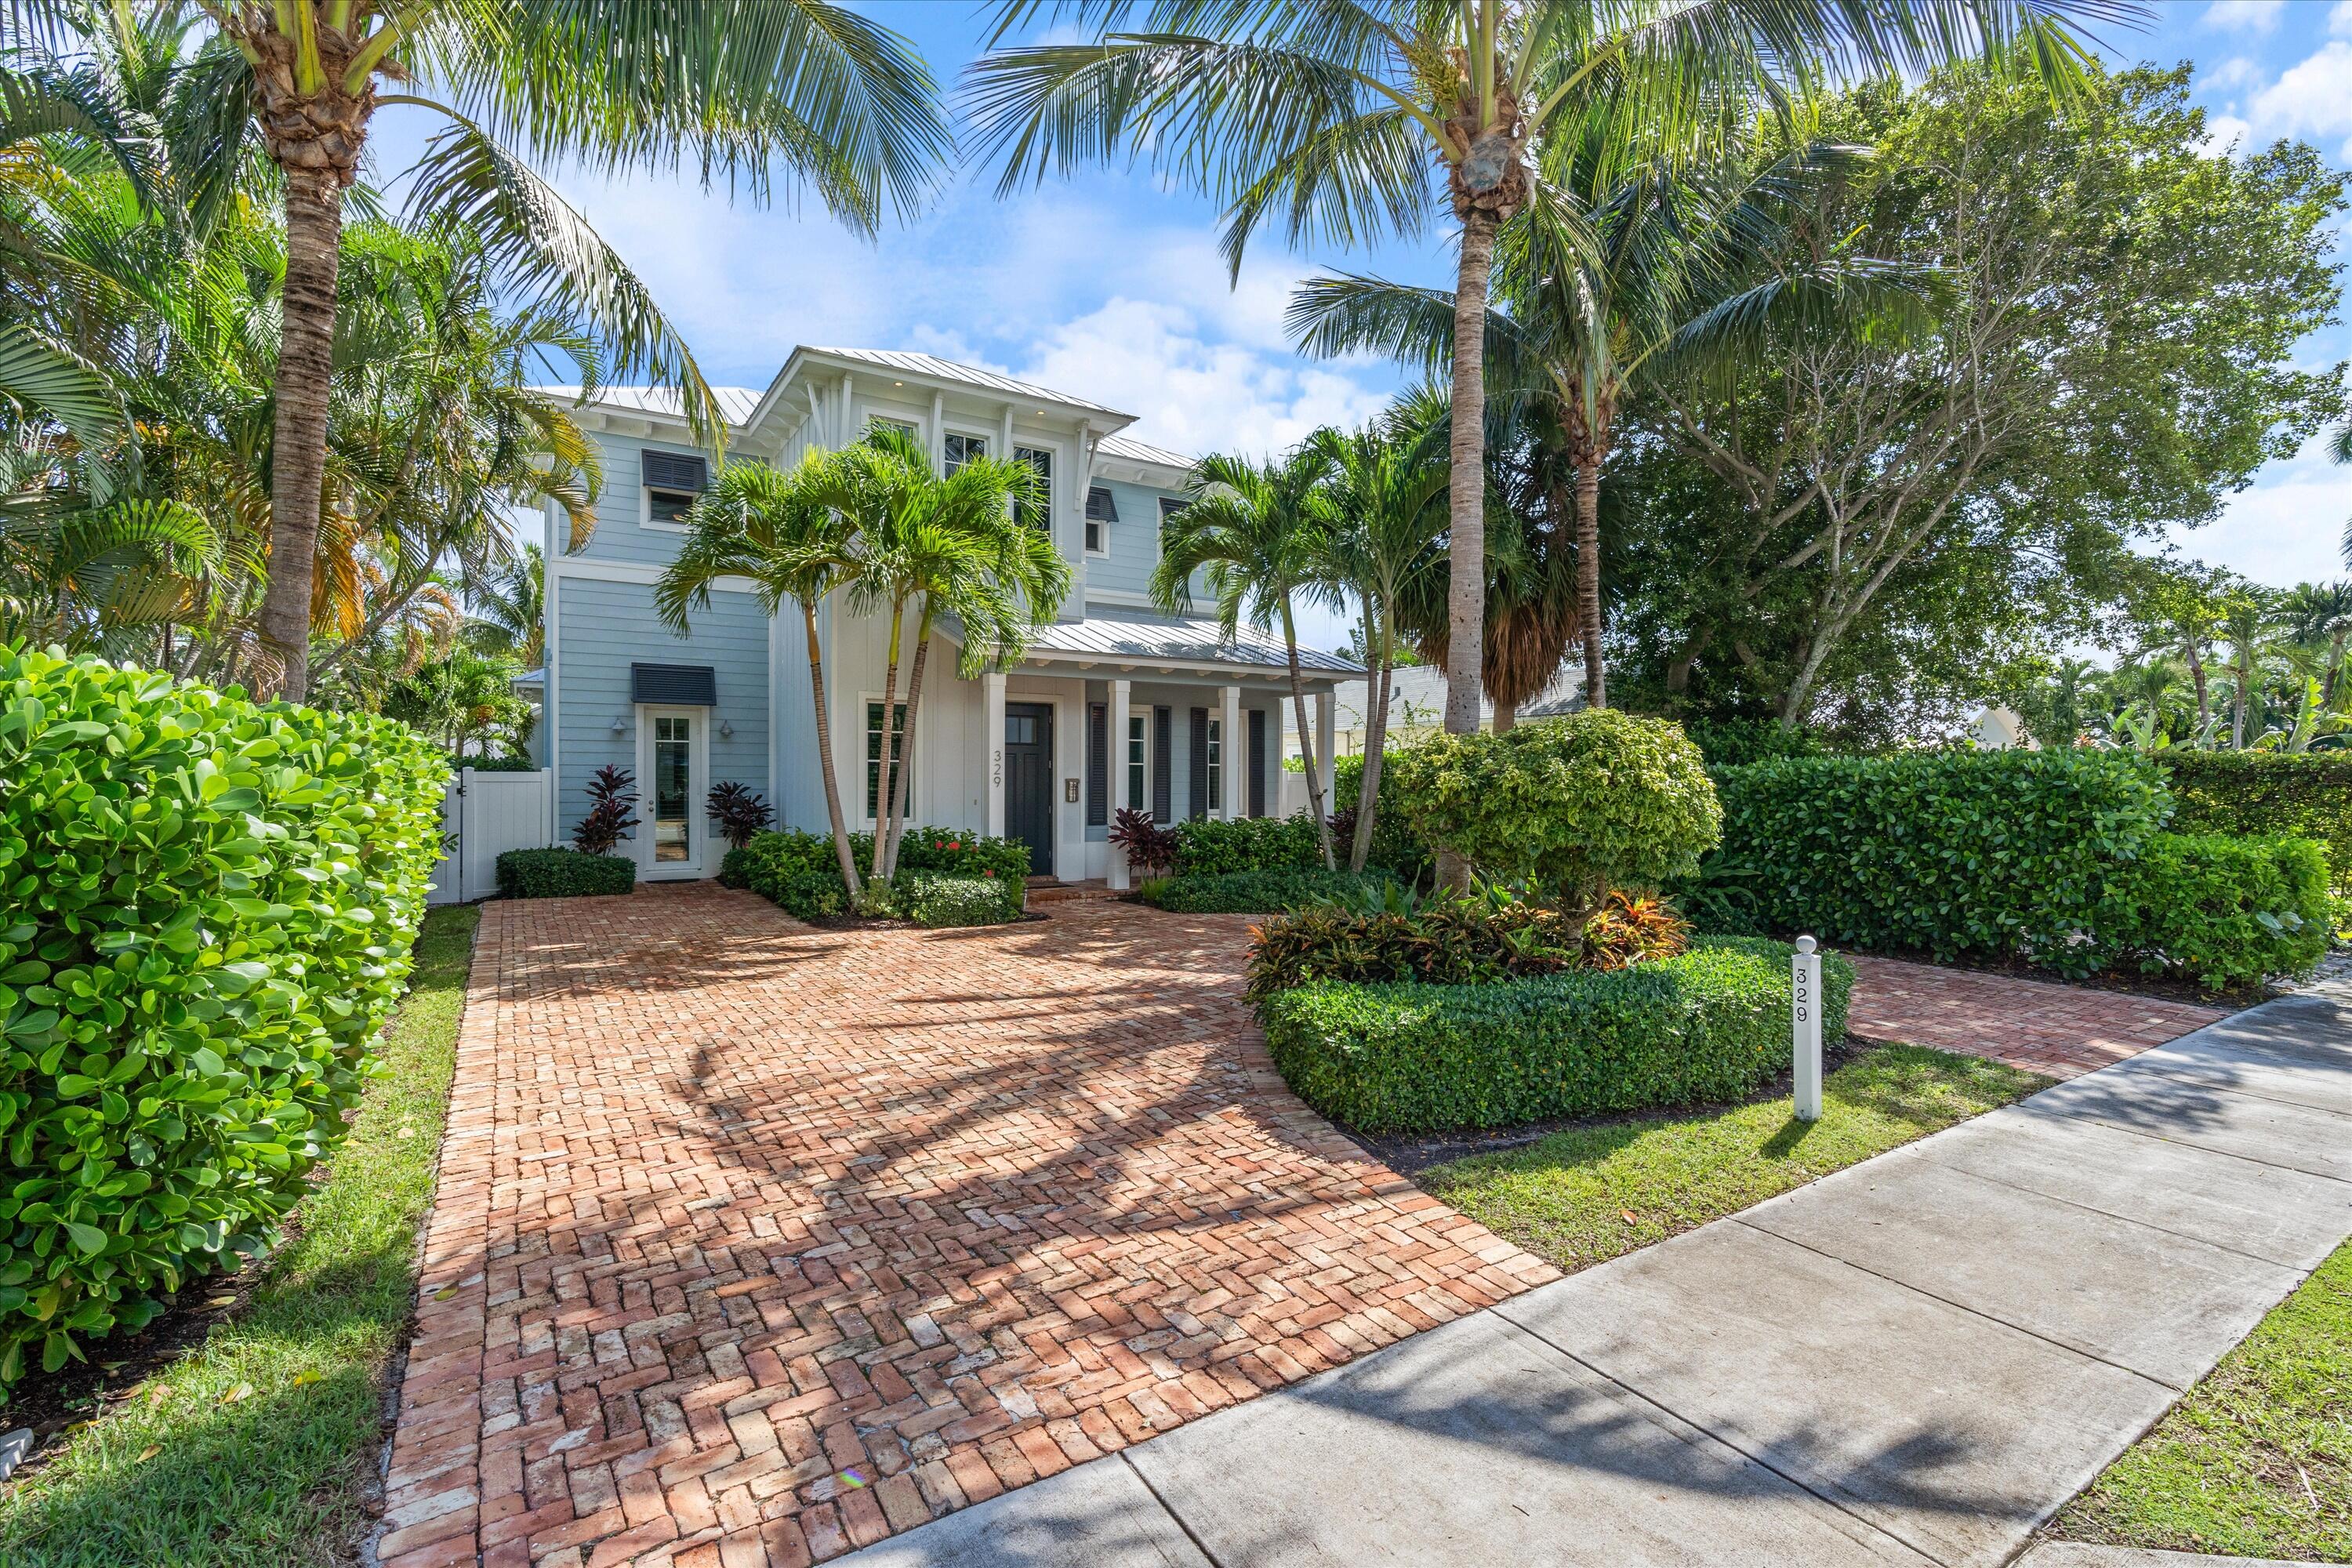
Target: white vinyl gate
[483, 816]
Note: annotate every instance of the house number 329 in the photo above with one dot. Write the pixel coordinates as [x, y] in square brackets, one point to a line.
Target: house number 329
[997, 764]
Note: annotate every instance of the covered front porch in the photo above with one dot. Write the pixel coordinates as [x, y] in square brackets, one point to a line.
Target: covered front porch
[1134, 711]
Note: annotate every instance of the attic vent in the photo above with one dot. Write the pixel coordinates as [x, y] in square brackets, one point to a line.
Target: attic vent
[1100, 508]
[669, 471]
[676, 685]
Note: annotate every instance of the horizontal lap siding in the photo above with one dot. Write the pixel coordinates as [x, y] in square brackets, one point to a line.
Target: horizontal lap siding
[620, 535]
[602, 628]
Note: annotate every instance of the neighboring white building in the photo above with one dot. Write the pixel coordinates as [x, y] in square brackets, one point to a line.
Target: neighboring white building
[1116, 705]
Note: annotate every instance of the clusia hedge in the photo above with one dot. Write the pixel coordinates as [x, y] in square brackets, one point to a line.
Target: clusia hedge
[205, 910]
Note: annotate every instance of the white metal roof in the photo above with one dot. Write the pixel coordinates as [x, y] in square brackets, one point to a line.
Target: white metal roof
[1135, 451]
[735, 402]
[971, 375]
[1114, 633]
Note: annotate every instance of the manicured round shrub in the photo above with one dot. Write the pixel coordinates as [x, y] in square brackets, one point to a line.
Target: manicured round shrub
[1579, 805]
[563, 874]
[205, 911]
[932, 899]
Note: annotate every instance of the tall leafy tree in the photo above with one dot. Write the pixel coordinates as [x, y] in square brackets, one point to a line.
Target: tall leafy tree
[744, 90]
[773, 526]
[1255, 530]
[1347, 121]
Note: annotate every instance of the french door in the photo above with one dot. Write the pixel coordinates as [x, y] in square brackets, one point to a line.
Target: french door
[674, 829]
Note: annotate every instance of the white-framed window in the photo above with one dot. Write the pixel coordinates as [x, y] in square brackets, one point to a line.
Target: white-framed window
[1216, 764]
[1041, 461]
[1139, 752]
[1102, 510]
[877, 799]
[668, 484]
[962, 448]
[884, 422]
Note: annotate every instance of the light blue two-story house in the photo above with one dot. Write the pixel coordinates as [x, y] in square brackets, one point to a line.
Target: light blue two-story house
[1116, 705]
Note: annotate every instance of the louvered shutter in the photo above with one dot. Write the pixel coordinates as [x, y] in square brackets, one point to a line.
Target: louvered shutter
[1097, 764]
[671, 471]
[1196, 804]
[1257, 762]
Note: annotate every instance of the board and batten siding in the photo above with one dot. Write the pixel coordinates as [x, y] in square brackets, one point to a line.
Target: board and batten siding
[602, 628]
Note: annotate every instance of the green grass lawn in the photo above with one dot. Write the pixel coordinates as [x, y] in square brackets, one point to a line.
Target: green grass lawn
[255, 1449]
[2254, 1461]
[1589, 1193]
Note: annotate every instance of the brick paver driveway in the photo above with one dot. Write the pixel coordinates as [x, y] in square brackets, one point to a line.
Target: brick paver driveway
[2062, 1030]
[755, 1242]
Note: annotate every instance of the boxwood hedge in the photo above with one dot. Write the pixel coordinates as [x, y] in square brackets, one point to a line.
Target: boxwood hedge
[1409, 1056]
[563, 873]
[205, 910]
[2265, 793]
[799, 872]
[1255, 892]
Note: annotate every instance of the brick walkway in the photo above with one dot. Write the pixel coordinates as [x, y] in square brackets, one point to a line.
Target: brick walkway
[755, 1242]
[2061, 1031]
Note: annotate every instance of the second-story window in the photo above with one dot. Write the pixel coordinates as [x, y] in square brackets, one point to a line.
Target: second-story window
[877, 423]
[672, 481]
[1102, 510]
[962, 448]
[1038, 514]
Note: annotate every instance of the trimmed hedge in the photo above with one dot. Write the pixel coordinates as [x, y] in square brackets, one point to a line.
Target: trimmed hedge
[1939, 852]
[2264, 794]
[1207, 847]
[1710, 1025]
[498, 764]
[932, 899]
[2219, 909]
[564, 873]
[798, 871]
[205, 911]
[1255, 892]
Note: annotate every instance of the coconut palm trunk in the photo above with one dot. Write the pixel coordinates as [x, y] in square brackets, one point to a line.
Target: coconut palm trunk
[1588, 573]
[824, 754]
[1306, 740]
[1465, 608]
[899, 783]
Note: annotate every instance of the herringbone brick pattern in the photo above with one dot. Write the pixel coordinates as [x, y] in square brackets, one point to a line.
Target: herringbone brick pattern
[2061, 1031]
[755, 1243]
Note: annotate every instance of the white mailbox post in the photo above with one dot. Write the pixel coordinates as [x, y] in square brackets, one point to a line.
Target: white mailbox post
[1805, 1024]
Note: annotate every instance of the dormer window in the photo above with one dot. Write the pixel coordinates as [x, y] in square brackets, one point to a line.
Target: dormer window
[672, 482]
[1102, 510]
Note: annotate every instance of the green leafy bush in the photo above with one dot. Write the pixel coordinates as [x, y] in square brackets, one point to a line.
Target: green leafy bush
[931, 898]
[1709, 1025]
[1207, 847]
[499, 764]
[205, 911]
[563, 874]
[1439, 939]
[1396, 844]
[799, 872]
[2264, 794]
[2223, 911]
[1733, 743]
[1581, 804]
[1253, 892]
[2006, 853]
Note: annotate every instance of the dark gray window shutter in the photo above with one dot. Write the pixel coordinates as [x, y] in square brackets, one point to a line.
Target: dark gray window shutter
[1097, 764]
[1100, 506]
[1257, 762]
[1164, 764]
[1196, 805]
[669, 471]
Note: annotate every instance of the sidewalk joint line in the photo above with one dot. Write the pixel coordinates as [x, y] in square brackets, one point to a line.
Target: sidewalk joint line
[2180, 1078]
[2110, 1214]
[2176, 1389]
[2182, 1142]
[1199, 1545]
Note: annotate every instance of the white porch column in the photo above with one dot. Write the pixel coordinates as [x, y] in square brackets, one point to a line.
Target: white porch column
[938, 431]
[1323, 739]
[991, 719]
[849, 431]
[1115, 863]
[1236, 757]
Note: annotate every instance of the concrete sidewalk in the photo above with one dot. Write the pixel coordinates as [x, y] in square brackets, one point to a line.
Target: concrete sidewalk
[1916, 1361]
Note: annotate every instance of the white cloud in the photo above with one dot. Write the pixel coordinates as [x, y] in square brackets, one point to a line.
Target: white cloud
[2224, 133]
[2234, 72]
[2244, 16]
[2310, 98]
[2339, 19]
[2287, 527]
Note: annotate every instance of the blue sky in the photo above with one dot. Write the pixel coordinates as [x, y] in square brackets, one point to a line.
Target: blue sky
[1111, 286]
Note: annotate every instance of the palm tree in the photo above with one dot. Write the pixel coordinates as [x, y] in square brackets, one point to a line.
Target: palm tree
[772, 526]
[509, 607]
[1329, 117]
[1253, 528]
[1383, 511]
[2245, 622]
[943, 548]
[732, 88]
[2320, 614]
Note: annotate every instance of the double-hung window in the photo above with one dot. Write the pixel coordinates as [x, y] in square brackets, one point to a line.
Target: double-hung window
[1138, 750]
[1102, 510]
[672, 481]
[1216, 764]
[1038, 511]
[878, 801]
[960, 449]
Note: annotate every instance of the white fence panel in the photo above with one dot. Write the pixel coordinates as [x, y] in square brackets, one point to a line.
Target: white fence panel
[488, 814]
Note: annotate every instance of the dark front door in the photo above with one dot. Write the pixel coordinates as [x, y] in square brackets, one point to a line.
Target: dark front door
[1029, 781]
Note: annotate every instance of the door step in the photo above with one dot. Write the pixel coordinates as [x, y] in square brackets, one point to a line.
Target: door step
[1047, 890]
